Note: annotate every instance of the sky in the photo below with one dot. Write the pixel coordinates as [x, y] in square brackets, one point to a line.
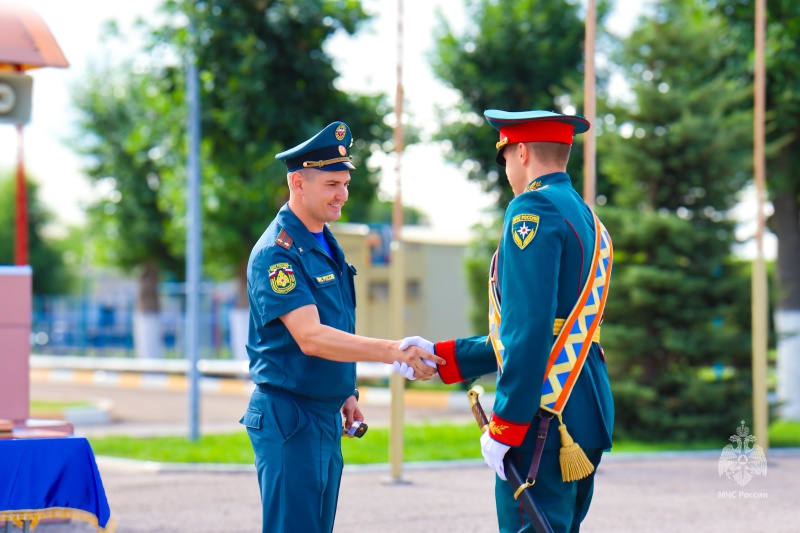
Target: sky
[426, 178]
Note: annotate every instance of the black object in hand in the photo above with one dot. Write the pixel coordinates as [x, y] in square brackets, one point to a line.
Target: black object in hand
[357, 430]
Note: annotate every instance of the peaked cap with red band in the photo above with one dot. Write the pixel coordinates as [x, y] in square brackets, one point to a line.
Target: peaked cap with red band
[533, 126]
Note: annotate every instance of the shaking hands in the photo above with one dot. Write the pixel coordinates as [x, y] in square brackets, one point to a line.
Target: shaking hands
[421, 362]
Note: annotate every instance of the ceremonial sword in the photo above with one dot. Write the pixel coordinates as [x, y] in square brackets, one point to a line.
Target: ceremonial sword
[532, 509]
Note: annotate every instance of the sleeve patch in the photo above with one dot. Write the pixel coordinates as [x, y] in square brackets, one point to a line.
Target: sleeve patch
[281, 278]
[523, 229]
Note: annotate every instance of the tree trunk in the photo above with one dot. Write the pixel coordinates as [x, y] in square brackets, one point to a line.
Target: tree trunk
[786, 224]
[241, 287]
[239, 317]
[147, 301]
[147, 319]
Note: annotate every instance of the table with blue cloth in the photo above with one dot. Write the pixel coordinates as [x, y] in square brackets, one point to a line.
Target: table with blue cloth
[51, 478]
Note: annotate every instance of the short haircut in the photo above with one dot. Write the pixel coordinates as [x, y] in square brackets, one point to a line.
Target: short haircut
[549, 153]
[307, 173]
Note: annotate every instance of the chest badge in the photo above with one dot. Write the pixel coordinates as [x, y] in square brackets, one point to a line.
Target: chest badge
[281, 278]
[523, 229]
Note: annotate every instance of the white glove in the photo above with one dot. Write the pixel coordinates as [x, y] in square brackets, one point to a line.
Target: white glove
[493, 453]
[404, 369]
[425, 344]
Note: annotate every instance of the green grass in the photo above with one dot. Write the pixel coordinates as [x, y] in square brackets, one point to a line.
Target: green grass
[422, 442]
[40, 406]
[426, 442]
[622, 446]
[784, 434]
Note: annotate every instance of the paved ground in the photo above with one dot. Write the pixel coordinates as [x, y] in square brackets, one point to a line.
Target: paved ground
[650, 493]
[643, 495]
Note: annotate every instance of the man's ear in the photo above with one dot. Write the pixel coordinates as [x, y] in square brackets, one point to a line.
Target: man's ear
[524, 153]
[296, 179]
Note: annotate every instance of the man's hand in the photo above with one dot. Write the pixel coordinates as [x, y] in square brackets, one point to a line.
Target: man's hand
[425, 344]
[350, 413]
[428, 358]
[493, 453]
[415, 363]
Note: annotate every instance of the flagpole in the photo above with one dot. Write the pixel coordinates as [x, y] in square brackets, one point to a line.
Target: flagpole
[397, 273]
[759, 275]
[589, 106]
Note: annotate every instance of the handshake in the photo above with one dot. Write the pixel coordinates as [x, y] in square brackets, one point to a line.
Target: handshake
[419, 361]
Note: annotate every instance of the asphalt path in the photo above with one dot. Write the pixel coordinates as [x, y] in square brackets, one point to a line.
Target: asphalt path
[637, 495]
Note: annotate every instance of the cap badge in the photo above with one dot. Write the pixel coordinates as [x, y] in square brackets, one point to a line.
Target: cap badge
[341, 131]
[342, 150]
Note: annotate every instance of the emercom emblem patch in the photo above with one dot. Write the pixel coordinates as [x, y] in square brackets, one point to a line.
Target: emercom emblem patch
[281, 277]
[523, 229]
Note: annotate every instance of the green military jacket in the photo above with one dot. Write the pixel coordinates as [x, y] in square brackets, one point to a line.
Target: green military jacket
[543, 264]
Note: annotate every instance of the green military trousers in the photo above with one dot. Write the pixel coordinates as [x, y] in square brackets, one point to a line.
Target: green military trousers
[564, 504]
[297, 445]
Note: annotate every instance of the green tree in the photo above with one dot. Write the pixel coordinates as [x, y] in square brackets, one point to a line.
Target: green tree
[677, 298]
[267, 84]
[514, 55]
[783, 123]
[130, 139]
[782, 160]
[50, 272]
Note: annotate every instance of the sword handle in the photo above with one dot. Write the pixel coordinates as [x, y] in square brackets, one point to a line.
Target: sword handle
[477, 410]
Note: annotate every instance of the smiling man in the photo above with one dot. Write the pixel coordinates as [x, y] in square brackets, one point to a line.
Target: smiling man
[302, 345]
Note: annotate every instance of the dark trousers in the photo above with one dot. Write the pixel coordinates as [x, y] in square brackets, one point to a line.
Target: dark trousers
[298, 454]
[564, 504]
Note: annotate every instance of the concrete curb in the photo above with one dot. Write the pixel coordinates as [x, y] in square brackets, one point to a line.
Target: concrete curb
[378, 396]
[98, 413]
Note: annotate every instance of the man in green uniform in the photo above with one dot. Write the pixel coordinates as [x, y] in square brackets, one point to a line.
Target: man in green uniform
[302, 344]
[542, 266]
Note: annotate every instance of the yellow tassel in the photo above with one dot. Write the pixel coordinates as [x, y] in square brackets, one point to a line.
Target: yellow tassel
[574, 463]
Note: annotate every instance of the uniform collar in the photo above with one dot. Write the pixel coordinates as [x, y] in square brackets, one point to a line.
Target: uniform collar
[548, 179]
[303, 239]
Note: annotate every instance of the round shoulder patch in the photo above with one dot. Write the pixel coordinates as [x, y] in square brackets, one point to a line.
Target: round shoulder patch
[281, 278]
[523, 229]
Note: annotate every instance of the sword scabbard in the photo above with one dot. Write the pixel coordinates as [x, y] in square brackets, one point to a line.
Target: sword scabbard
[477, 410]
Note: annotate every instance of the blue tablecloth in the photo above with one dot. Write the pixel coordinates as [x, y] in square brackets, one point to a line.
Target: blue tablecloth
[51, 478]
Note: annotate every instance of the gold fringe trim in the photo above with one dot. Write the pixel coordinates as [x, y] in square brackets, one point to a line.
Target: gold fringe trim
[574, 463]
[35, 515]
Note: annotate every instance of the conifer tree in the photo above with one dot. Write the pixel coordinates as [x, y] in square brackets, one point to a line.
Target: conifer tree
[676, 327]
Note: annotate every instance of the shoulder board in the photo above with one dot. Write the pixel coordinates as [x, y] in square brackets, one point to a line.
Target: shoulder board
[284, 240]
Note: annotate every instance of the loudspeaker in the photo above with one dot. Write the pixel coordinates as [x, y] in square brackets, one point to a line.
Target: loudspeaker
[16, 95]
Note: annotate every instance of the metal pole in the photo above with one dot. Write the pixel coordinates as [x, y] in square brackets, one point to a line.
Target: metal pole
[589, 82]
[397, 272]
[193, 236]
[21, 248]
[759, 281]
